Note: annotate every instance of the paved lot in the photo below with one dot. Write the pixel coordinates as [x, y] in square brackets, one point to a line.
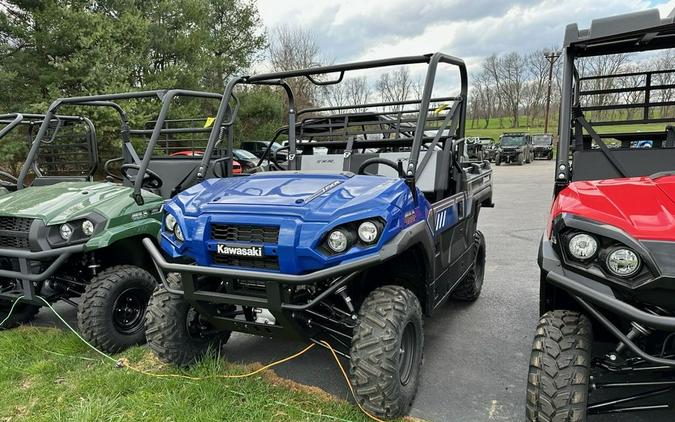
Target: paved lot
[476, 354]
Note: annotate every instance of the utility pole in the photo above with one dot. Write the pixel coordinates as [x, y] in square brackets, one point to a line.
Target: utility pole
[552, 57]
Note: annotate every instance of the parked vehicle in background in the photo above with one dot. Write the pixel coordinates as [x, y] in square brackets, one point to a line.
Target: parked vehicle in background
[514, 148]
[489, 148]
[248, 161]
[351, 247]
[474, 149]
[258, 148]
[67, 236]
[543, 146]
[604, 343]
[236, 166]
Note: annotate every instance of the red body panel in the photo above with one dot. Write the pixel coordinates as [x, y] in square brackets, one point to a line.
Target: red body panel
[642, 207]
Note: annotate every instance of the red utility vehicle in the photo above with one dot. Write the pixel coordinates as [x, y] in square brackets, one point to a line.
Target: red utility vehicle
[236, 166]
[606, 340]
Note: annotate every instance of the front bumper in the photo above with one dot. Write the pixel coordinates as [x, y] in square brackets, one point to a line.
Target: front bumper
[289, 321]
[542, 152]
[55, 258]
[594, 296]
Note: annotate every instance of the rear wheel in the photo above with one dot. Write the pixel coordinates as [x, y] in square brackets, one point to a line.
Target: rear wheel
[497, 161]
[519, 159]
[175, 331]
[529, 158]
[387, 350]
[560, 366]
[470, 287]
[112, 310]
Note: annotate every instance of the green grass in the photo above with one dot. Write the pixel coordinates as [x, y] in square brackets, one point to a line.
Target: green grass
[493, 130]
[49, 375]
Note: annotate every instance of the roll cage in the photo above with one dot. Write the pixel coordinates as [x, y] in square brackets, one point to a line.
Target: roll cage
[581, 115]
[410, 126]
[160, 130]
[78, 131]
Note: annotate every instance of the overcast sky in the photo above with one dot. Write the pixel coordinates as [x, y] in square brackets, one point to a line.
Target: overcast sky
[349, 30]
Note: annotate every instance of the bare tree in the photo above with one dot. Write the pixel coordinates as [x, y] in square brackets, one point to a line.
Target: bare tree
[351, 91]
[291, 49]
[395, 86]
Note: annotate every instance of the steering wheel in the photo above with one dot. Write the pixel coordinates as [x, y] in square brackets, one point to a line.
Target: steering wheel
[11, 180]
[151, 180]
[376, 160]
[106, 168]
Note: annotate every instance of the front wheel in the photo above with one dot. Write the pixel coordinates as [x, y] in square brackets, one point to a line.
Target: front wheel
[497, 161]
[560, 368]
[386, 352]
[176, 333]
[111, 314]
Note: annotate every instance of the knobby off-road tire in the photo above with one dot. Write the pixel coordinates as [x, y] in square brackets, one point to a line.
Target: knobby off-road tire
[111, 315]
[23, 313]
[387, 351]
[170, 328]
[557, 382]
[470, 287]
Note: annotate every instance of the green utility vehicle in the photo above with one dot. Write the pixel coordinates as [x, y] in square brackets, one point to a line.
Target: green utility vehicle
[66, 237]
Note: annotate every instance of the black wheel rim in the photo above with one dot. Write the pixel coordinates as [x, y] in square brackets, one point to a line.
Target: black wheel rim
[129, 310]
[408, 353]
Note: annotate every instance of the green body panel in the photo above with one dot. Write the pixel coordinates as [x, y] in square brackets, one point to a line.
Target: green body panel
[3, 191]
[63, 202]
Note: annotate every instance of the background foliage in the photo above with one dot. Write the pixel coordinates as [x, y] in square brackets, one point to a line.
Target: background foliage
[61, 48]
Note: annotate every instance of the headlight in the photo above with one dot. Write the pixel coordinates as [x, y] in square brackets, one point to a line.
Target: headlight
[87, 228]
[170, 222]
[66, 232]
[179, 233]
[582, 246]
[368, 232]
[623, 262]
[338, 241]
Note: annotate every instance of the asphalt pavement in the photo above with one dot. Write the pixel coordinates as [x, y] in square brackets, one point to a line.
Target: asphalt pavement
[476, 355]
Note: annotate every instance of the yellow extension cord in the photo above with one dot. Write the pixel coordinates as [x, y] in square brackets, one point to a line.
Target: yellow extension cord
[122, 363]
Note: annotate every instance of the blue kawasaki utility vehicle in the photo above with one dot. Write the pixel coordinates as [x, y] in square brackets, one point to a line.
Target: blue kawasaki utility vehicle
[351, 245]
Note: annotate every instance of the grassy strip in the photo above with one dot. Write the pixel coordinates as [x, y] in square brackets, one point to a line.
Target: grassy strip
[49, 375]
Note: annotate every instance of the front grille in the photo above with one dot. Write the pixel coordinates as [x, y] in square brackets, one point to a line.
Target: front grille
[14, 242]
[264, 263]
[14, 232]
[15, 224]
[245, 233]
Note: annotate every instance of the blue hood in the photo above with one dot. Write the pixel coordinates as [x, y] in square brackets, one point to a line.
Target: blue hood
[309, 196]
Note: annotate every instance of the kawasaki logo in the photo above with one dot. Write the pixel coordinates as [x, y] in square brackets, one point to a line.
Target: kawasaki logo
[251, 251]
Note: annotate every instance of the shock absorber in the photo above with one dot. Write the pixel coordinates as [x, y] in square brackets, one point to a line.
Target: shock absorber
[342, 292]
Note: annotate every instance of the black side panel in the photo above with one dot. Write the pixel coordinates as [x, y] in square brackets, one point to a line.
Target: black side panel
[594, 165]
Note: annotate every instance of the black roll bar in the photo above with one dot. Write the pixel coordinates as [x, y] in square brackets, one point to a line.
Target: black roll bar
[277, 78]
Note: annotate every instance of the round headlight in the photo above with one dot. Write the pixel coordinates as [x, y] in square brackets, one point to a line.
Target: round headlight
[170, 222]
[367, 232]
[582, 246]
[87, 228]
[623, 262]
[66, 232]
[337, 241]
[179, 233]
